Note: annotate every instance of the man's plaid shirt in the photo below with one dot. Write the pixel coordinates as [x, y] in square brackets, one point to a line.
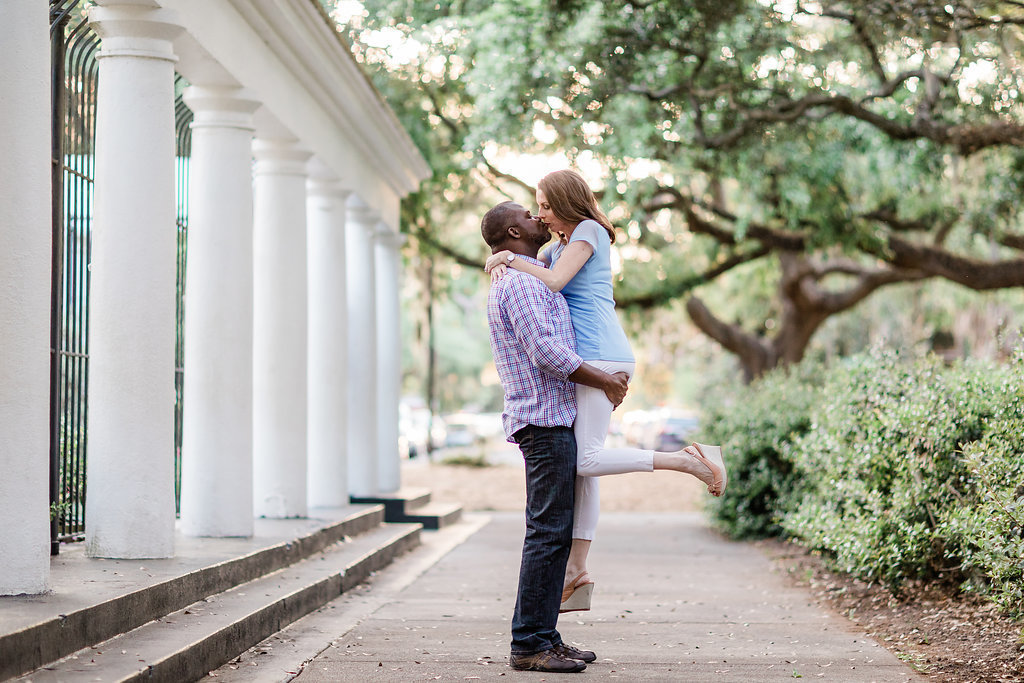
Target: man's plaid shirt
[534, 350]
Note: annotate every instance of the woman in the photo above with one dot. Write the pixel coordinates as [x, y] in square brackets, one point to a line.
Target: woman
[580, 267]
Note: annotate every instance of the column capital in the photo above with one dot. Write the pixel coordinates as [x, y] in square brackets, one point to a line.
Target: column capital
[280, 156]
[128, 30]
[221, 106]
[386, 237]
[327, 188]
[324, 183]
[360, 211]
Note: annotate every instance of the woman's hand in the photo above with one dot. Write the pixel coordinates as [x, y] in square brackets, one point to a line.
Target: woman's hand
[498, 272]
[495, 260]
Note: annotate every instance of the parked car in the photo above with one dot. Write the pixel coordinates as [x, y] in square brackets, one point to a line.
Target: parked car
[461, 430]
[459, 434]
[661, 429]
[416, 426]
[674, 432]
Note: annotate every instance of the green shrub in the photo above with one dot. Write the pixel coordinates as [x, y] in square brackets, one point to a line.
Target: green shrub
[883, 462]
[756, 426]
[990, 527]
[895, 469]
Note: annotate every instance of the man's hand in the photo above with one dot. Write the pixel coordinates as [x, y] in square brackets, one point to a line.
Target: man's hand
[616, 388]
[613, 386]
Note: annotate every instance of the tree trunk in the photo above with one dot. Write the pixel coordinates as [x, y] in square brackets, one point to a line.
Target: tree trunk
[805, 306]
[755, 355]
[432, 401]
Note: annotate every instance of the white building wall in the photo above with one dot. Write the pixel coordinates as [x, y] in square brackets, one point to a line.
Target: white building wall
[24, 299]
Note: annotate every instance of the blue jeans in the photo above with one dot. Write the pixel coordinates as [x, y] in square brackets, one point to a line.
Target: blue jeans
[550, 457]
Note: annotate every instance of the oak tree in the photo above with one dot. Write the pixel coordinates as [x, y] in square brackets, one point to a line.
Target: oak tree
[838, 146]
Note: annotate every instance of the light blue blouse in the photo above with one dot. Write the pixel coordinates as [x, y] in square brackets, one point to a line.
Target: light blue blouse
[599, 335]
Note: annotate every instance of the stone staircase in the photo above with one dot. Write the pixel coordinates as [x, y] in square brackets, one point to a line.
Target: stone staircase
[413, 505]
[177, 619]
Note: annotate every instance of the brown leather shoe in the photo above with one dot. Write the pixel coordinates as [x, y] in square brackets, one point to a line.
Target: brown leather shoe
[547, 660]
[572, 653]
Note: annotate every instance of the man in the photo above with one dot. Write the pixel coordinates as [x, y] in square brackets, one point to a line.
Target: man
[534, 351]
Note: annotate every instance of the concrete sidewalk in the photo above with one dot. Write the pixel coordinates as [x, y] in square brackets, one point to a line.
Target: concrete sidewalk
[674, 602]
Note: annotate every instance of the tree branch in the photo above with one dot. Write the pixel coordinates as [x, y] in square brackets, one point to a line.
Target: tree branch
[864, 36]
[1012, 241]
[769, 237]
[731, 262]
[891, 86]
[755, 355]
[672, 292]
[887, 216]
[837, 266]
[423, 236]
[669, 90]
[867, 282]
[972, 273]
[668, 197]
[507, 176]
[967, 139]
[656, 95]
[436, 106]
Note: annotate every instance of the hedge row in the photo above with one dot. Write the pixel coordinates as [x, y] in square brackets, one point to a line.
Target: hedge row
[894, 469]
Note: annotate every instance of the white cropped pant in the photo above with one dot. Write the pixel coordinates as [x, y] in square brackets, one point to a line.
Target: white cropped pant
[593, 460]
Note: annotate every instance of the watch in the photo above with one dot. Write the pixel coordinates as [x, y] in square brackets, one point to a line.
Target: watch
[510, 258]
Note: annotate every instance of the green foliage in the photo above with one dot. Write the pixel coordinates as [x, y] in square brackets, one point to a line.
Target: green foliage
[757, 428]
[895, 469]
[883, 464]
[839, 121]
[59, 510]
[990, 532]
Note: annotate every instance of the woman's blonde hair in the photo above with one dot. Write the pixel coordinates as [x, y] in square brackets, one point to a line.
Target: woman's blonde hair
[572, 200]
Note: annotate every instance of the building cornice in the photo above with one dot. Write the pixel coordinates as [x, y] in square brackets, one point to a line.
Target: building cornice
[290, 54]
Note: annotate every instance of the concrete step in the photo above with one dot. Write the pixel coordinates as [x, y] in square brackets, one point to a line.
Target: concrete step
[397, 503]
[435, 516]
[412, 504]
[33, 634]
[188, 643]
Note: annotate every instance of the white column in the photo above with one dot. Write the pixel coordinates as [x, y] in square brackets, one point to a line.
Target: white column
[362, 348]
[130, 500]
[328, 344]
[25, 300]
[216, 453]
[279, 330]
[389, 357]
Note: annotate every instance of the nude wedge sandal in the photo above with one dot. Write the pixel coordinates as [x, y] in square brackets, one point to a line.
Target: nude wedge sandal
[711, 456]
[578, 600]
[576, 597]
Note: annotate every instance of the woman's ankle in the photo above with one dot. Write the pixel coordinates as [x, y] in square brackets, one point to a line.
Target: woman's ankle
[572, 572]
[677, 461]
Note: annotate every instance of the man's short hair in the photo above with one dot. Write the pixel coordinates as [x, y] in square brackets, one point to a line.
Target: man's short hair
[494, 223]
